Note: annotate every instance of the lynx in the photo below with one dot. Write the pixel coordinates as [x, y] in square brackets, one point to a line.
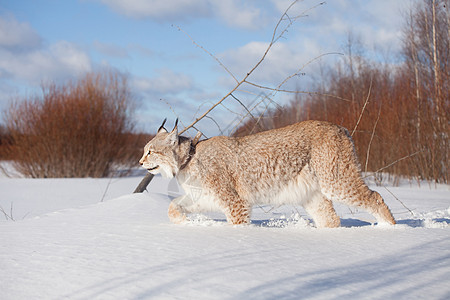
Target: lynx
[311, 163]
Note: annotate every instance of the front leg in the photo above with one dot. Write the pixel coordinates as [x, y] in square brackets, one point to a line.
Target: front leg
[238, 214]
[236, 209]
[176, 213]
[178, 209]
[181, 206]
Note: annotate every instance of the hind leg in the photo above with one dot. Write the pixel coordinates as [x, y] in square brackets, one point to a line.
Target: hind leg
[370, 201]
[322, 211]
[374, 204]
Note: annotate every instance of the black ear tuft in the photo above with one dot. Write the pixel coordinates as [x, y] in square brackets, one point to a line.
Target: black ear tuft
[162, 126]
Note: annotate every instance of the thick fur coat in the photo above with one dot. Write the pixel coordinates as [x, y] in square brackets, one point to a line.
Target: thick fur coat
[311, 163]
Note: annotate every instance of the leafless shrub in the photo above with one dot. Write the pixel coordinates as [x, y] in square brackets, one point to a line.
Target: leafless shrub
[5, 140]
[80, 129]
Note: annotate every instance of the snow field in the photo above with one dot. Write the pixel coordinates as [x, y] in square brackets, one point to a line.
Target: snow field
[70, 245]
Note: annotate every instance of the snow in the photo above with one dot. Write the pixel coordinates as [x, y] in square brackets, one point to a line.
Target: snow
[93, 239]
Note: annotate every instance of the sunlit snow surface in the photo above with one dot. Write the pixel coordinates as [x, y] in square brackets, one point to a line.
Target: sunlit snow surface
[93, 239]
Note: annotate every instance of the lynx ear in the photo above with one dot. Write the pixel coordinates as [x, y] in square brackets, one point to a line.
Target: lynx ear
[173, 136]
[162, 129]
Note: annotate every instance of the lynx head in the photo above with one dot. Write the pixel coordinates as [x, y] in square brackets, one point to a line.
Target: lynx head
[160, 154]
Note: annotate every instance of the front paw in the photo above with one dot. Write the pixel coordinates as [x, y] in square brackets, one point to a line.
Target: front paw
[175, 214]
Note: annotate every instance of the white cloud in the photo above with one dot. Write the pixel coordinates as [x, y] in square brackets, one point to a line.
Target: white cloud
[110, 49]
[16, 35]
[236, 14]
[60, 60]
[141, 50]
[283, 60]
[387, 19]
[167, 82]
[70, 57]
[161, 10]
[377, 23]
[24, 58]
[281, 5]
[232, 12]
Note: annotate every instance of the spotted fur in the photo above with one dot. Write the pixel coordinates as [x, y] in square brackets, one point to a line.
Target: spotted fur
[311, 163]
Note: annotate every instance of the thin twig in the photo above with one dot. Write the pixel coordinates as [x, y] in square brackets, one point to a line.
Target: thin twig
[215, 122]
[10, 216]
[239, 83]
[297, 92]
[371, 139]
[231, 111]
[253, 108]
[4, 213]
[299, 71]
[170, 107]
[107, 188]
[242, 104]
[394, 162]
[392, 194]
[209, 53]
[261, 115]
[364, 107]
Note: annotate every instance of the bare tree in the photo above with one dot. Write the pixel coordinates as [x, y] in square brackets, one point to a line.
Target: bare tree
[426, 49]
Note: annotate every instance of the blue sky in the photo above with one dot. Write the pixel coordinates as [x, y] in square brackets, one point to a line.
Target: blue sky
[58, 40]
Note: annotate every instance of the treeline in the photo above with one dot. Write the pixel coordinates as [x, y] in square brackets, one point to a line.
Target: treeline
[398, 114]
[83, 128]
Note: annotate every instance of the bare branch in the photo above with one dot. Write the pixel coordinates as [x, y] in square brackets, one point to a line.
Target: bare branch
[209, 53]
[144, 183]
[8, 216]
[253, 108]
[211, 108]
[215, 122]
[392, 194]
[275, 38]
[260, 117]
[231, 111]
[239, 83]
[396, 161]
[299, 71]
[297, 92]
[371, 139]
[242, 104]
[364, 107]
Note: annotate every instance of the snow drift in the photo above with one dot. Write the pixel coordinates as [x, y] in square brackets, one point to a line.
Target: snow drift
[71, 240]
